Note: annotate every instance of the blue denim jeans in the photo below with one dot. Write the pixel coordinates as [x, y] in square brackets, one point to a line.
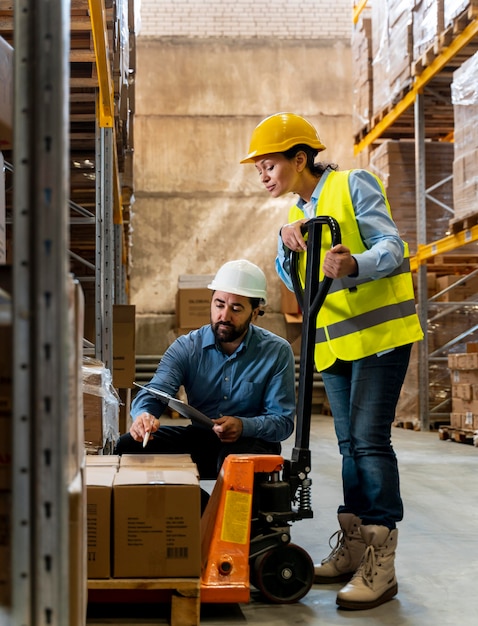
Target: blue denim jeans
[363, 396]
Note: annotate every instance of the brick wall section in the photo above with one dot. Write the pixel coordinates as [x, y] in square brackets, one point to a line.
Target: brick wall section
[283, 19]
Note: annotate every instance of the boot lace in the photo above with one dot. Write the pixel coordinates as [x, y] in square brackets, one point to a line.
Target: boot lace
[339, 537]
[367, 566]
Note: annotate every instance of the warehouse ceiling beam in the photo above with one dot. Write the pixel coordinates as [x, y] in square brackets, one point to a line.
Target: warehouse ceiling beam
[103, 64]
[435, 67]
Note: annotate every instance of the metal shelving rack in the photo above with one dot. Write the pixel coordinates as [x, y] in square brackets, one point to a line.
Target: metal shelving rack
[39, 314]
[43, 217]
[425, 250]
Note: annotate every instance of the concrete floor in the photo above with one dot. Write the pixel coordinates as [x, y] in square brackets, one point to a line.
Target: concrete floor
[437, 556]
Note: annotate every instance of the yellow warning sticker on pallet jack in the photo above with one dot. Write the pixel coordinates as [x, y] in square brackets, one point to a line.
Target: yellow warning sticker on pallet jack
[236, 521]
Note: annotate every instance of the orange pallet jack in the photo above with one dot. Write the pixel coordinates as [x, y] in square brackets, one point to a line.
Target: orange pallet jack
[246, 525]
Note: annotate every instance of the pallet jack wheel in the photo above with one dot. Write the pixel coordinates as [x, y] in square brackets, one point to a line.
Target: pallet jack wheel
[284, 575]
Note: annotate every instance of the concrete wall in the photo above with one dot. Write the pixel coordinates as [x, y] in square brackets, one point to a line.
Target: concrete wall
[197, 103]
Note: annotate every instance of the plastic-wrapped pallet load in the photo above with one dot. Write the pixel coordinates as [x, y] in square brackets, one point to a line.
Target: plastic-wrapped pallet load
[464, 91]
[454, 8]
[428, 22]
[392, 51]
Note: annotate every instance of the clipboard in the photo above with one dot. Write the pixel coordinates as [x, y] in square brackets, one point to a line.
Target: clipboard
[184, 409]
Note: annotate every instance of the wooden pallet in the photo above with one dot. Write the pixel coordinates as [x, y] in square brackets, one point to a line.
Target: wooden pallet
[184, 595]
[445, 38]
[456, 434]
[463, 223]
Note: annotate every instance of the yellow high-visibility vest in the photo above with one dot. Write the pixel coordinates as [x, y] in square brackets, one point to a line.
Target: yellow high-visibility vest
[359, 317]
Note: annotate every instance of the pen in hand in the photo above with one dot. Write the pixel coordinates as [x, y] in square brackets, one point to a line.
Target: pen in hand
[147, 434]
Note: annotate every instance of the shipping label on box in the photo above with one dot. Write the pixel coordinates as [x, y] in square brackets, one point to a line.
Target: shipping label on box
[156, 523]
[99, 490]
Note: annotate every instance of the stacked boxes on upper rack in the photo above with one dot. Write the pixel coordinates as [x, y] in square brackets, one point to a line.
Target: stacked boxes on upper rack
[464, 389]
[428, 22]
[363, 74]
[394, 163]
[392, 49]
[465, 165]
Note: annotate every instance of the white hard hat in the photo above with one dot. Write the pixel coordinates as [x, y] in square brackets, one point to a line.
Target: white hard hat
[242, 278]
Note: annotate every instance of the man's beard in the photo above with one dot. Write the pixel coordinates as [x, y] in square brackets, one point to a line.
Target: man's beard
[227, 333]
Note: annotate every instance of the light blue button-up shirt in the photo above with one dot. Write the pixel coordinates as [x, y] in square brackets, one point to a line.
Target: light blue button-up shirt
[255, 383]
[379, 233]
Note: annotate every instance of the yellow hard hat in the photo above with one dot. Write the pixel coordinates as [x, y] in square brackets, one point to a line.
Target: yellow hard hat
[279, 132]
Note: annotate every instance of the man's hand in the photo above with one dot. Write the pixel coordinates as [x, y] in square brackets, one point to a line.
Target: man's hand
[228, 428]
[338, 262]
[145, 422]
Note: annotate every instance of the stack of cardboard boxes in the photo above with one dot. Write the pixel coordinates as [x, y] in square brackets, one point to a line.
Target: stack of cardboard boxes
[143, 516]
[464, 388]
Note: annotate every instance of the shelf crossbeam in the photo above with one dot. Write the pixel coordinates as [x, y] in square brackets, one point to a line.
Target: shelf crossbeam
[446, 244]
[358, 8]
[435, 67]
[103, 66]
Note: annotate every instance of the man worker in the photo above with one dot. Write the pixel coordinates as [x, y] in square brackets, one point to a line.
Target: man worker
[238, 374]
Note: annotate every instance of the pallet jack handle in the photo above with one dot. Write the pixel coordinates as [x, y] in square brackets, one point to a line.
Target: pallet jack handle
[310, 297]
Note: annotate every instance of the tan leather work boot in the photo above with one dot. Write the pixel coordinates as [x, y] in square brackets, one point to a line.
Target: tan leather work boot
[346, 555]
[374, 582]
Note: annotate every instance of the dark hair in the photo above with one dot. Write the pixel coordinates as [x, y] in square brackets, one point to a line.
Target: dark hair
[255, 303]
[311, 153]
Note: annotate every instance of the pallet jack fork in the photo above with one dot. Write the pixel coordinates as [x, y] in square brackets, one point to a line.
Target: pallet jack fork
[245, 528]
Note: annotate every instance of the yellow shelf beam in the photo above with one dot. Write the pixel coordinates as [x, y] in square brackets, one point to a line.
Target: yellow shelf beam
[358, 8]
[447, 244]
[437, 65]
[103, 64]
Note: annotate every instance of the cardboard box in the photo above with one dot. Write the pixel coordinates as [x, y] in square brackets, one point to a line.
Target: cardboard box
[288, 301]
[294, 331]
[100, 405]
[193, 307]
[156, 523]
[465, 421]
[77, 550]
[99, 490]
[158, 461]
[465, 290]
[76, 441]
[464, 376]
[458, 405]
[463, 360]
[103, 460]
[124, 345]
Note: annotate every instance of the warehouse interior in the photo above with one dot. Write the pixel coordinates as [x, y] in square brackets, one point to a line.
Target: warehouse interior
[122, 125]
